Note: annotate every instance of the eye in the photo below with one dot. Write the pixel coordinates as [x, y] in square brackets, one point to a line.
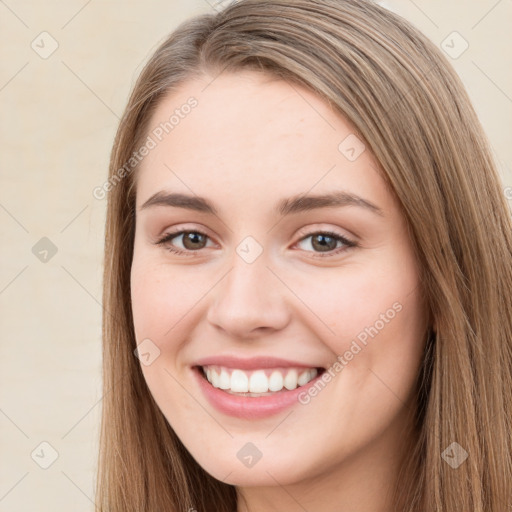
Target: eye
[192, 241]
[327, 243]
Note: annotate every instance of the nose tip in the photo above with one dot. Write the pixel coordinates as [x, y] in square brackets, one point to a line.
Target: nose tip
[248, 301]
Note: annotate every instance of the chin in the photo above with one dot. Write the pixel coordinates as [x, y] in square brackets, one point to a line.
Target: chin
[262, 473]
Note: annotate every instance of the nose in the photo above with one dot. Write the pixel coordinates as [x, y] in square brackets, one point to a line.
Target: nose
[249, 301]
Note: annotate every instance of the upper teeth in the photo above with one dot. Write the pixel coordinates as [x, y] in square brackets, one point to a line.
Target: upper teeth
[258, 381]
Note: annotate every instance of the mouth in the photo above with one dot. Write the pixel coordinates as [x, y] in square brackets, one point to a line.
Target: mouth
[258, 382]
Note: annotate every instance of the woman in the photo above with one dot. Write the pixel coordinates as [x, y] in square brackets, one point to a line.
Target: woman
[307, 274]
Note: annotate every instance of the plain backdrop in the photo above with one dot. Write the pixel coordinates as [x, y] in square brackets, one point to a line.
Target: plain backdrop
[66, 71]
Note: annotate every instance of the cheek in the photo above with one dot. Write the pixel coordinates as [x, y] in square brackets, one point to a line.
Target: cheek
[378, 317]
[352, 300]
[162, 305]
[161, 297]
[373, 319]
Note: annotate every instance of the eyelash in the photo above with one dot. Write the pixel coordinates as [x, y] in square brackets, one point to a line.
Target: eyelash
[166, 239]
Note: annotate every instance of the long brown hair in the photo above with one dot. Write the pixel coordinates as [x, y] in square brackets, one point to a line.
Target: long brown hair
[410, 108]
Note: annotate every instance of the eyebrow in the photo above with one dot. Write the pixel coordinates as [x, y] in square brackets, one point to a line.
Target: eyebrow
[291, 205]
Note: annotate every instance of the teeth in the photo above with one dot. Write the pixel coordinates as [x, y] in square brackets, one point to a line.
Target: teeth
[304, 378]
[258, 381]
[224, 381]
[239, 382]
[275, 383]
[290, 379]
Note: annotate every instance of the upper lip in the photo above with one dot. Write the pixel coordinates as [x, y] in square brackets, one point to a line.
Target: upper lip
[252, 363]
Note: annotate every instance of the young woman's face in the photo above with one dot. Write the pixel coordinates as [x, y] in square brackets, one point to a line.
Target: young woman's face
[295, 278]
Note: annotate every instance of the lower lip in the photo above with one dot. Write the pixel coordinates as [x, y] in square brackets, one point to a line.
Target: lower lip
[247, 407]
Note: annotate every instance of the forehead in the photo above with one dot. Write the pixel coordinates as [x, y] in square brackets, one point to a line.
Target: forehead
[251, 136]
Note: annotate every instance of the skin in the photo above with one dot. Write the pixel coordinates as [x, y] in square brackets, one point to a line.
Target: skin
[250, 142]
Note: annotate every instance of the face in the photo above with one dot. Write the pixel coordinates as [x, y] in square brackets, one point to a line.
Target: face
[270, 255]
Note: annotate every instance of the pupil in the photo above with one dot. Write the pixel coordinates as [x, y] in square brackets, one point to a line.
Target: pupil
[192, 238]
[323, 245]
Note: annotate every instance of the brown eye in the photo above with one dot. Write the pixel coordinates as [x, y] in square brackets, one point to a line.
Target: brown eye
[323, 243]
[193, 240]
[327, 243]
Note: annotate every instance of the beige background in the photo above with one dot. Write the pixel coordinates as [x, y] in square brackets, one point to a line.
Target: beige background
[58, 118]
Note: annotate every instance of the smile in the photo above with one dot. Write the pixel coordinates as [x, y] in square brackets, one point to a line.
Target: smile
[255, 388]
[259, 382]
